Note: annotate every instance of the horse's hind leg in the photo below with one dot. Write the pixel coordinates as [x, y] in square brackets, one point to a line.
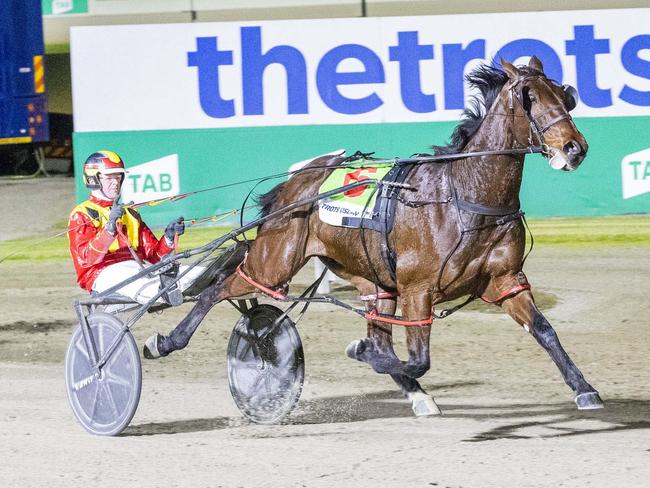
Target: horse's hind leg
[158, 345]
[522, 308]
[422, 403]
[287, 260]
[415, 307]
[378, 346]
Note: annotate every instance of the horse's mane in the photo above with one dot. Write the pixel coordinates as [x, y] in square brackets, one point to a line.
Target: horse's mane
[488, 80]
[266, 200]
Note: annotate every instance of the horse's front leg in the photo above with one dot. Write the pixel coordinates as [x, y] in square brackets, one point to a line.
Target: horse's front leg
[522, 308]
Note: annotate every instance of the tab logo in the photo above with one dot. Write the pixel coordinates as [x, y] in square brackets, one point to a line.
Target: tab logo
[62, 6]
[635, 174]
[152, 180]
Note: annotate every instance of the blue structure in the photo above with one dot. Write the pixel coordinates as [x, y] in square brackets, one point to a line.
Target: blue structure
[23, 104]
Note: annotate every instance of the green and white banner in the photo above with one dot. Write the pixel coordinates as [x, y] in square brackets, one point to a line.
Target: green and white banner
[192, 106]
[64, 7]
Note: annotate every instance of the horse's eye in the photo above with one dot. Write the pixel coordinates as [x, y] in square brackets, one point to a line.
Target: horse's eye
[526, 98]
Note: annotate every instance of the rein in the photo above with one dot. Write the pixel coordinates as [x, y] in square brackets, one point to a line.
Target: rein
[537, 127]
[440, 158]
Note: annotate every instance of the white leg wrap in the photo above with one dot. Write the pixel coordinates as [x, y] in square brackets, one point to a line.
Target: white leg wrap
[423, 405]
[351, 349]
[152, 345]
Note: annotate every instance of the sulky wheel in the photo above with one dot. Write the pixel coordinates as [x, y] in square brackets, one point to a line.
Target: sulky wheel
[266, 365]
[103, 401]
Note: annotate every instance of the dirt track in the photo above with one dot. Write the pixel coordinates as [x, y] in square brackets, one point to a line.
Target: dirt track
[508, 418]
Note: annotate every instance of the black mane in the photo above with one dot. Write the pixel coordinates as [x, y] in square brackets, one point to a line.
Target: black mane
[266, 200]
[488, 80]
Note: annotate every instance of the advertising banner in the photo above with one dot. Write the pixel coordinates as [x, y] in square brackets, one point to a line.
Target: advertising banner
[234, 100]
[64, 7]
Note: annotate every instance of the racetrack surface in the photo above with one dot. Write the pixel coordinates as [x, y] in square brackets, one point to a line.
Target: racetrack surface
[508, 420]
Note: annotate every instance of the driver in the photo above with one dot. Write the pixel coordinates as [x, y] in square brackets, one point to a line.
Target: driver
[109, 242]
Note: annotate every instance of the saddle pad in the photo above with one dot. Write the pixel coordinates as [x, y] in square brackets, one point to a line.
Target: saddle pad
[351, 208]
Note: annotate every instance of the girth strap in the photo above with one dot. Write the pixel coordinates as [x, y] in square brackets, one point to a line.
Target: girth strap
[387, 203]
[483, 210]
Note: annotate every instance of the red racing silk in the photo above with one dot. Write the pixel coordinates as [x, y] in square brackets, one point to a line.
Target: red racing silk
[93, 248]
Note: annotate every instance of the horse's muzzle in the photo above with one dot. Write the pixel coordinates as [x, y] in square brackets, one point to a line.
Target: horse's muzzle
[575, 153]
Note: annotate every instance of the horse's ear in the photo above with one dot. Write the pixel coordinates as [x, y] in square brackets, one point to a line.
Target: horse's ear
[510, 69]
[536, 64]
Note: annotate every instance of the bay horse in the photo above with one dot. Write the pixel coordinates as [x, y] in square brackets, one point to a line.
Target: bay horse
[458, 232]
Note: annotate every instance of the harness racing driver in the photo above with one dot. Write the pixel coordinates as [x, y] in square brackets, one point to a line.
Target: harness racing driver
[109, 242]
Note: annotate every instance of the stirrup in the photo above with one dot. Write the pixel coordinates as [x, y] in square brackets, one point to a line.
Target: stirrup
[173, 296]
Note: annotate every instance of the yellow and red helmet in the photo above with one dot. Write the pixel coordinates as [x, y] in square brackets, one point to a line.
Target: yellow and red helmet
[102, 162]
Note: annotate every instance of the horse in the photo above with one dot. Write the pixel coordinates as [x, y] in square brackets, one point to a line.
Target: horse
[458, 232]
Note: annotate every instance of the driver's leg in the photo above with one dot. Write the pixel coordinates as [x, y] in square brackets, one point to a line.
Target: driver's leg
[140, 290]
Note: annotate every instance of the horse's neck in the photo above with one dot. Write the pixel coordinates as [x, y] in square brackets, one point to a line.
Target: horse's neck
[493, 181]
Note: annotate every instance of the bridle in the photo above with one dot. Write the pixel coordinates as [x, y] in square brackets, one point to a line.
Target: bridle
[539, 124]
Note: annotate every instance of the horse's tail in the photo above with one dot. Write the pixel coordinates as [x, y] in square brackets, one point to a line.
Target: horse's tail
[219, 268]
[300, 185]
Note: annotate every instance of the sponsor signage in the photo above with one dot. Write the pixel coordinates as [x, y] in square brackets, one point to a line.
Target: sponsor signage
[152, 180]
[374, 70]
[64, 7]
[193, 106]
[635, 172]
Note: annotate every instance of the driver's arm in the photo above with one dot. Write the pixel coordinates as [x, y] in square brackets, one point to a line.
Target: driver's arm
[88, 244]
[151, 248]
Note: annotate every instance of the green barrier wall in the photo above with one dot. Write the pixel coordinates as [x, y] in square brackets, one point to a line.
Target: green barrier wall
[218, 156]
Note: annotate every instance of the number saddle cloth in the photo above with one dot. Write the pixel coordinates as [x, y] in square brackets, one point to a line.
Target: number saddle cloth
[369, 206]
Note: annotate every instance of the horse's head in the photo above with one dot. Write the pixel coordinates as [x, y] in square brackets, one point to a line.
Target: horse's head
[546, 106]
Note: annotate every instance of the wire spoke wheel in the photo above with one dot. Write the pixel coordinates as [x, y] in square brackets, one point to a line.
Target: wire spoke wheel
[266, 365]
[103, 401]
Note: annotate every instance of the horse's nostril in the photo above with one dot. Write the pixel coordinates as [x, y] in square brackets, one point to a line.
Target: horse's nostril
[572, 147]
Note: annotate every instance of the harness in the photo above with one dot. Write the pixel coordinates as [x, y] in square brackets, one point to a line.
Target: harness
[540, 123]
[385, 205]
[393, 183]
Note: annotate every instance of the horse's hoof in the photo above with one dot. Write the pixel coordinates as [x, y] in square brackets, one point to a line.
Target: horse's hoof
[589, 401]
[150, 349]
[354, 349]
[423, 405]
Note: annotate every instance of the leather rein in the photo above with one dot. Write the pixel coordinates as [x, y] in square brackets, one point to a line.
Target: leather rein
[537, 127]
